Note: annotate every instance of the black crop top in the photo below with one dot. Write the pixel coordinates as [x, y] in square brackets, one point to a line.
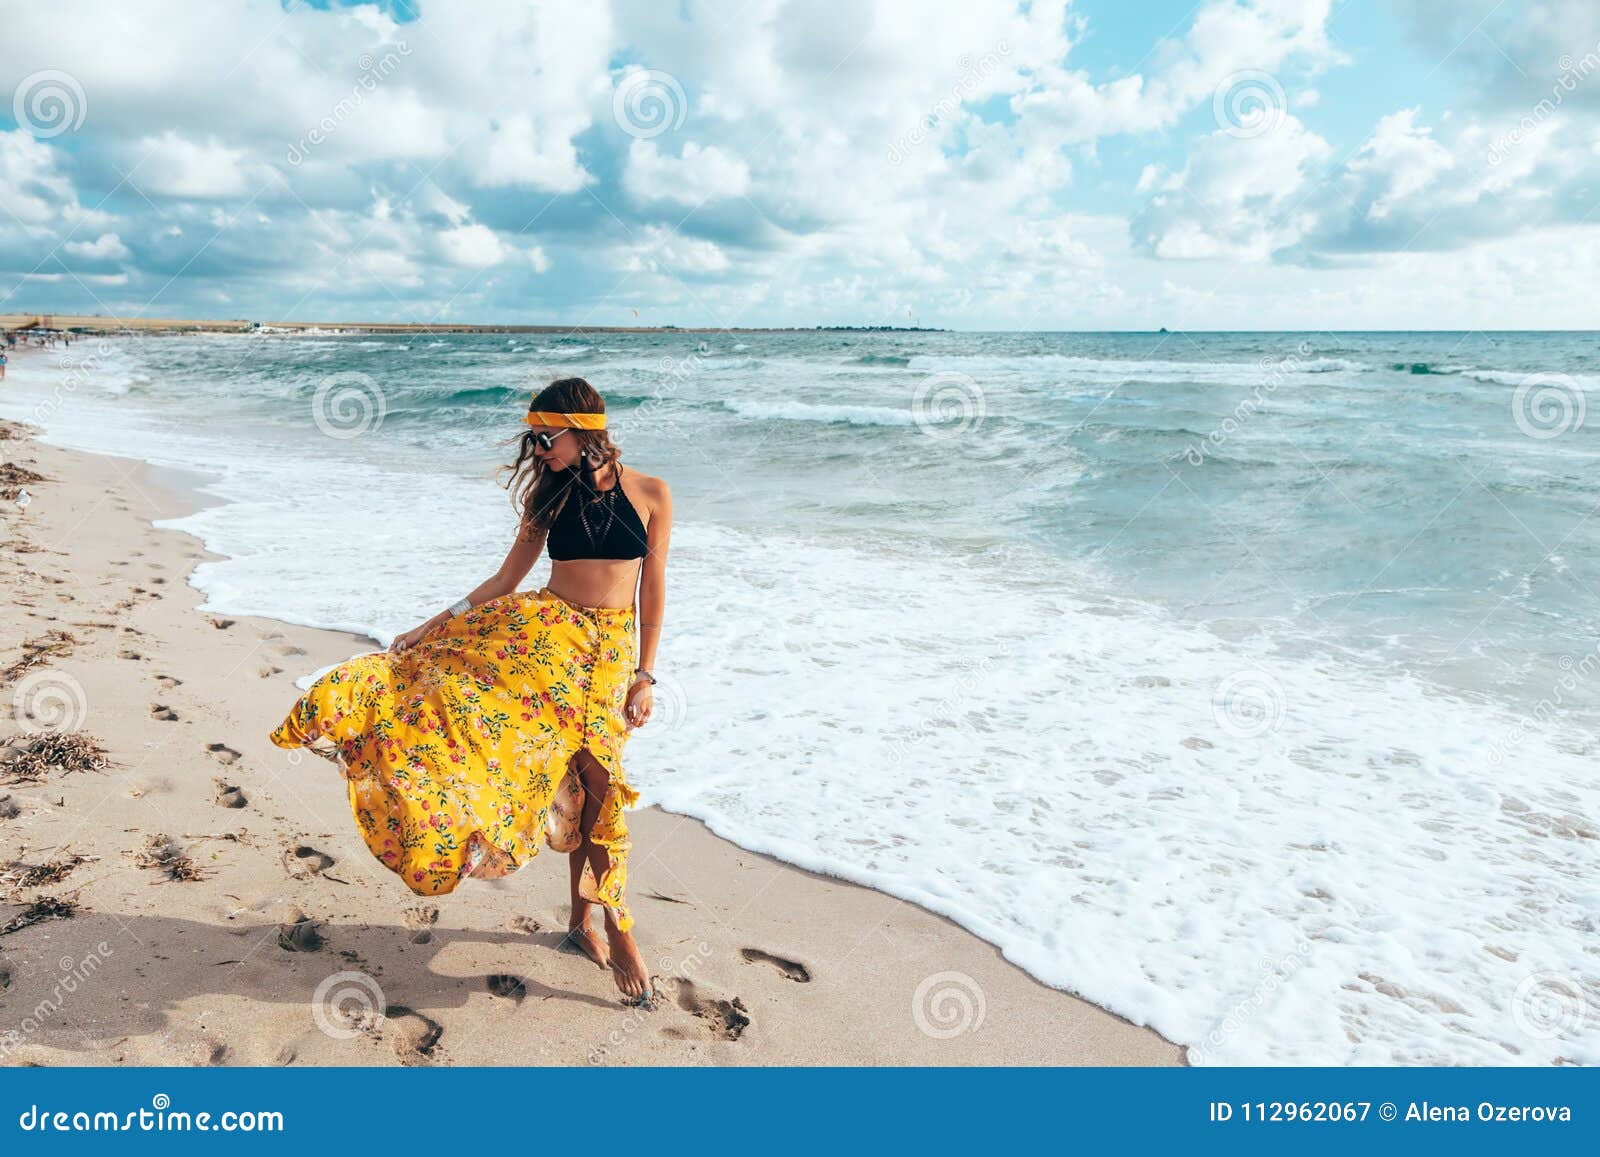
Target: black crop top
[599, 525]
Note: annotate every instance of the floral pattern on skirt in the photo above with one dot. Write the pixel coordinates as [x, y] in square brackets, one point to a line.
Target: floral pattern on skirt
[458, 750]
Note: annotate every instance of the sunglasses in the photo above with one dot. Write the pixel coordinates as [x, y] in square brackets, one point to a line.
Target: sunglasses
[547, 441]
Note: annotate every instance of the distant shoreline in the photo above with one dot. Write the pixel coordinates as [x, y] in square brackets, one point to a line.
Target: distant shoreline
[83, 323]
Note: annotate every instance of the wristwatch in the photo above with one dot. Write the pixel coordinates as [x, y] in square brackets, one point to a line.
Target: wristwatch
[645, 671]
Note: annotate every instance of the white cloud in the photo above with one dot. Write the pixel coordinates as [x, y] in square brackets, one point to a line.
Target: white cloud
[174, 166]
[106, 247]
[834, 156]
[1235, 197]
[700, 174]
[474, 246]
[1400, 160]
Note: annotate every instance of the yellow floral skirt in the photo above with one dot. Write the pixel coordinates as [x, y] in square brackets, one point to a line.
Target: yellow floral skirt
[458, 751]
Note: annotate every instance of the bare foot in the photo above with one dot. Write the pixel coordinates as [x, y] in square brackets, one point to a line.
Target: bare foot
[582, 937]
[627, 964]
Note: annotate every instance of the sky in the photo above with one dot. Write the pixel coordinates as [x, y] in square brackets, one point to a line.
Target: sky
[966, 164]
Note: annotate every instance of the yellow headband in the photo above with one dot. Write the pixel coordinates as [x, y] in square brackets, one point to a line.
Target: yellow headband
[556, 418]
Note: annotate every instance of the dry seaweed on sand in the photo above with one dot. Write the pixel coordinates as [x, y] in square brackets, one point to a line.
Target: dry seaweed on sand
[40, 754]
[13, 478]
[44, 908]
[17, 875]
[34, 651]
[164, 852]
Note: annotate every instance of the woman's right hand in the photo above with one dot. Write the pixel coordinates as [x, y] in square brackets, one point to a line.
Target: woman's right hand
[411, 638]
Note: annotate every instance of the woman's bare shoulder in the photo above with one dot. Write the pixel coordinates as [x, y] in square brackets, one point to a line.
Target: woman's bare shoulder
[652, 486]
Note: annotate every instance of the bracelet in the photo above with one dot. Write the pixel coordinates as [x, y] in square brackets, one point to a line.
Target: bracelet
[461, 606]
[645, 671]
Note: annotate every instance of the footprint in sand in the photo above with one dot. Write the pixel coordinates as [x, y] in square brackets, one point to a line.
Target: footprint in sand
[420, 921]
[223, 624]
[162, 712]
[285, 1056]
[792, 969]
[129, 653]
[269, 671]
[291, 649]
[228, 795]
[525, 924]
[304, 862]
[508, 986]
[415, 1035]
[168, 682]
[8, 808]
[223, 753]
[209, 1053]
[726, 1019]
[298, 932]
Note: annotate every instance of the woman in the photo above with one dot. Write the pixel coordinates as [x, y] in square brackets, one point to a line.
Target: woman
[502, 720]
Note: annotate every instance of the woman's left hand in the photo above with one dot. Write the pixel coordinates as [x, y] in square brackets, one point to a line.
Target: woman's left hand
[641, 698]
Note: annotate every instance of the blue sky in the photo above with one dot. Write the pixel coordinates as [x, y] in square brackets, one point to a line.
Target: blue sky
[1227, 164]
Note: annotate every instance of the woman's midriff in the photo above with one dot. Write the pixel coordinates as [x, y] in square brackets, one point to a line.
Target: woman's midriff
[595, 582]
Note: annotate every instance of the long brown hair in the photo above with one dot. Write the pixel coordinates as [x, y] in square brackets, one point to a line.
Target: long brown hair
[539, 492]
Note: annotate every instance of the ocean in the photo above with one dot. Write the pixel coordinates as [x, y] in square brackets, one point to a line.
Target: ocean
[1244, 684]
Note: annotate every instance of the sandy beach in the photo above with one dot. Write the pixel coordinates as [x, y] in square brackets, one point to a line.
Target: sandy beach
[203, 899]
